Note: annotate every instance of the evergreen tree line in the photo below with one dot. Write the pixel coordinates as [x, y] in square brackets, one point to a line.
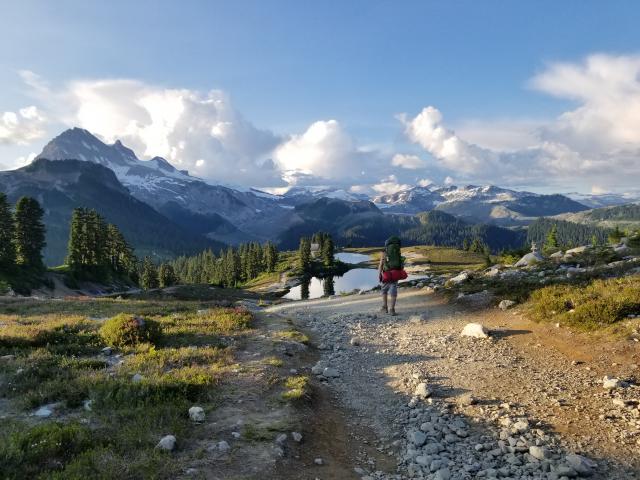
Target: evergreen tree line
[326, 251]
[558, 234]
[230, 268]
[97, 249]
[22, 236]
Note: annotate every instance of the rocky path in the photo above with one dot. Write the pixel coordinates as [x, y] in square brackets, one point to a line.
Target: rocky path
[528, 402]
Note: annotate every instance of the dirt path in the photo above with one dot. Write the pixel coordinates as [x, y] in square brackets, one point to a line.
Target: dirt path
[537, 390]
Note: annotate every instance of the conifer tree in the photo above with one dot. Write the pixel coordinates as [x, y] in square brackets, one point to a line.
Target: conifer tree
[149, 277]
[7, 246]
[616, 235]
[167, 276]
[29, 233]
[328, 251]
[304, 254]
[551, 242]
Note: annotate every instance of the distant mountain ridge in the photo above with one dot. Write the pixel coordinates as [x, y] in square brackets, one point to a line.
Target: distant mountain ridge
[62, 185]
[486, 204]
[157, 183]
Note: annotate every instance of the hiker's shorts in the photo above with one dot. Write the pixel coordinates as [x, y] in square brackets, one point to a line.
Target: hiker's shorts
[389, 287]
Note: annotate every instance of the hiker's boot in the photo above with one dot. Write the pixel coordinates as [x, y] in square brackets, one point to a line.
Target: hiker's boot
[392, 312]
[384, 309]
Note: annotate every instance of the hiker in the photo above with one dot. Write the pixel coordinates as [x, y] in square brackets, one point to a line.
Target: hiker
[390, 270]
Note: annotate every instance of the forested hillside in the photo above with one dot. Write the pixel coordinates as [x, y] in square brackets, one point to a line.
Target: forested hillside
[569, 234]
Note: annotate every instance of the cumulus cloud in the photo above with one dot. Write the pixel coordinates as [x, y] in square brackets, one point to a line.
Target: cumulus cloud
[389, 185]
[411, 162]
[21, 127]
[323, 152]
[201, 132]
[598, 140]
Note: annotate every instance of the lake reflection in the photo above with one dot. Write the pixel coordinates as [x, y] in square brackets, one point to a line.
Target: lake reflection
[356, 279]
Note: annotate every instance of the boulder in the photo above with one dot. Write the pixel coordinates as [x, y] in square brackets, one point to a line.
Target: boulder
[530, 259]
[539, 453]
[506, 304]
[330, 373]
[223, 446]
[422, 391]
[582, 465]
[611, 382]
[297, 437]
[475, 330]
[196, 414]
[167, 443]
[577, 250]
[418, 438]
[461, 277]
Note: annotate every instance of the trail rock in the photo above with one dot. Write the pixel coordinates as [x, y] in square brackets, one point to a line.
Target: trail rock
[475, 330]
[223, 446]
[168, 443]
[538, 452]
[196, 414]
[611, 382]
[297, 437]
[330, 372]
[44, 412]
[138, 377]
[583, 465]
[422, 391]
[506, 304]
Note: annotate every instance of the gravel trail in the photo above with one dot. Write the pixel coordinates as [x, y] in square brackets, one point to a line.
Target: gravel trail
[525, 403]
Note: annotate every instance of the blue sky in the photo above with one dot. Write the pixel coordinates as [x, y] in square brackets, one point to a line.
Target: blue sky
[284, 65]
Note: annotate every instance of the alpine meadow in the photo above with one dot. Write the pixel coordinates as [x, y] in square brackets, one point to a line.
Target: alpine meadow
[279, 240]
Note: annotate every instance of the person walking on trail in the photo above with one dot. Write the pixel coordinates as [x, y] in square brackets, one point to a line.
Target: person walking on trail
[390, 270]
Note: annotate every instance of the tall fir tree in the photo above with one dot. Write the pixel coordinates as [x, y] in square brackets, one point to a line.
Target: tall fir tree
[166, 275]
[304, 254]
[149, 276]
[7, 245]
[328, 251]
[29, 233]
[551, 242]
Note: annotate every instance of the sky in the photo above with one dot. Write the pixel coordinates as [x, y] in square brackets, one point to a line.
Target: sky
[373, 96]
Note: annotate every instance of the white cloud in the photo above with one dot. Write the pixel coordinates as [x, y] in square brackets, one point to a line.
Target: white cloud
[324, 151]
[200, 132]
[389, 186]
[411, 162]
[425, 182]
[21, 127]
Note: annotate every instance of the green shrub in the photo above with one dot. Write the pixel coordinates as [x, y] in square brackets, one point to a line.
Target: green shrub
[127, 330]
[598, 304]
[25, 453]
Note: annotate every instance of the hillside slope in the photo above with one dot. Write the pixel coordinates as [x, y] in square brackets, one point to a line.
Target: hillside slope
[61, 186]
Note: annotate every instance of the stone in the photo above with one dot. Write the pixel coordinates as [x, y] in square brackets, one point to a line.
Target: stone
[196, 414]
[442, 474]
[530, 259]
[611, 382]
[422, 391]
[506, 304]
[223, 446]
[475, 330]
[418, 438]
[107, 351]
[417, 319]
[583, 465]
[461, 277]
[297, 437]
[318, 461]
[355, 341]
[87, 405]
[539, 453]
[167, 443]
[467, 400]
[137, 378]
[577, 250]
[330, 373]
[318, 368]
[44, 412]
[520, 426]
[6, 358]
